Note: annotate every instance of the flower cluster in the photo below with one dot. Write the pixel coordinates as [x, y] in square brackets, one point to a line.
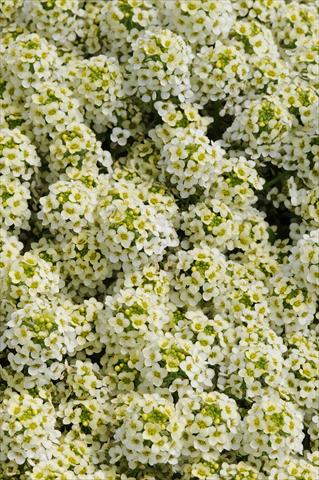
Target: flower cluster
[120, 22]
[18, 157]
[159, 240]
[271, 427]
[294, 468]
[190, 162]
[254, 363]
[30, 59]
[27, 427]
[14, 208]
[201, 22]
[213, 424]
[98, 83]
[148, 430]
[220, 71]
[159, 66]
[51, 108]
[76, 148]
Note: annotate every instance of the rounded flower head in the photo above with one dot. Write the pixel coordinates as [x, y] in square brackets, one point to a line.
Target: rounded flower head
[240, 471]
[200, 22]
[292, 468]
[159, 66]
[37, 339]
[262, 126]
[13, 114]
[148, 430]
[294, 23]
[60, 21]
[257, 39]
[8, 11]
[69, 205]
[304, 260]
[18, 157]
[236, 184]
[148, 278]
[255, 362]
[211, 223]
[31, 59]
[292, 306]
[263, 10]
[98, 84]
[84, 378]
[83, 261]
[14, 209]
[302, 101]
[130, 315]
[123, 20]
[220, 72]
[268, 75]
[30, 276]
[10, 248]
[305, 60]
[51, 109]
[218, 469]
[198, 275]
[76, 148]
[273, 428]
[170, 361]
[86, 416]
[301, 380]
[212, 424]
[190, 162]
[136, 218]
[28, 430]
[243, 299]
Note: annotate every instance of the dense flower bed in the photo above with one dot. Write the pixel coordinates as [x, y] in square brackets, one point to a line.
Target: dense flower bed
[159, 240]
